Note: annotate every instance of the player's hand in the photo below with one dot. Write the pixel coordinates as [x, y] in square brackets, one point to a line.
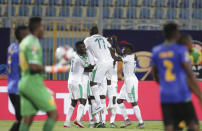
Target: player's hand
[115, 39]
[57, 68]
[89, 68]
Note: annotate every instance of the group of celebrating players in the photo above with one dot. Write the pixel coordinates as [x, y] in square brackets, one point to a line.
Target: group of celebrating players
[93, 74]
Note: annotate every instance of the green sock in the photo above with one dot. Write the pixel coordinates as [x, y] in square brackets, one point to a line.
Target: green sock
[24, 127]
[49, 124]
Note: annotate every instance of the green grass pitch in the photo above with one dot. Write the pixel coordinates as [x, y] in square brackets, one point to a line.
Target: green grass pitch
[37, 126]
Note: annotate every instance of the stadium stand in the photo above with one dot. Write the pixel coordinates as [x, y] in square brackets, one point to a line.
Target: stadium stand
[64, 11]
[36, 11]
[159, 12]
[131, 13]
[91, 12]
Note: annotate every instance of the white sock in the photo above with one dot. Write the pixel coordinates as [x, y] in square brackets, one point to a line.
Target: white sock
[96, 94]
[80, 112]
[112, 115]
[97, 118]
[138, 113]
[69, 113]
[103, 113]
[90, 113]
[123, 111]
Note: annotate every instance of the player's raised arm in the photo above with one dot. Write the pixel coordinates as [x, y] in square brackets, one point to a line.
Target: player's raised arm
[118, 50]
[112, 51]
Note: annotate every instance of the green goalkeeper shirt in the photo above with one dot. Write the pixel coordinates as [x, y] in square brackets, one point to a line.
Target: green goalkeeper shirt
[30, 53]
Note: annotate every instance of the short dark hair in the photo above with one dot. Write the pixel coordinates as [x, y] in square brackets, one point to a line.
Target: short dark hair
[183, 39]
[170, 30]
[94, 30]
[18, 31]
[34, 22]
[130, 46]
[78, 43]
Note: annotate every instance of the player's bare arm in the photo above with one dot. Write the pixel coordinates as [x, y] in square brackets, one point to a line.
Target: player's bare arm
[34, 68]
[89, 68]
[113, 55]
[118, 50]
[192, 81]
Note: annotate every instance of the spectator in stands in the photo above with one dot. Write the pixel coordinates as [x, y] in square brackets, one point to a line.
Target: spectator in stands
[14, 74]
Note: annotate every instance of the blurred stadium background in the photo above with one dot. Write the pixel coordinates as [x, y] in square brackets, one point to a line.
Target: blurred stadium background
[67, 21]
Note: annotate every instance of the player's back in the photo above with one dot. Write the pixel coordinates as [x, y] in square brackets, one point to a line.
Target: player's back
[13, 68]
[99, 47]
[168, 60]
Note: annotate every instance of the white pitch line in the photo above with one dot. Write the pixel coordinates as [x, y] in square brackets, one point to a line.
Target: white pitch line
[3, 89]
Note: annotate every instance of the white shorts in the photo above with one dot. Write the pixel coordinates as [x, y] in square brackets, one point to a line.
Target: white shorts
[129, 90]
[112, 90]
[102, 70]
[102, 89]
[78, 90]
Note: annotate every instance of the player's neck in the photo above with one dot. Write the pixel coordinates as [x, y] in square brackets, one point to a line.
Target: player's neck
[35, 35]
[169, 42]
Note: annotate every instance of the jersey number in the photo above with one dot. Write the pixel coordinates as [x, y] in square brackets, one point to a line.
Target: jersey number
[169, 76]
[99, 40]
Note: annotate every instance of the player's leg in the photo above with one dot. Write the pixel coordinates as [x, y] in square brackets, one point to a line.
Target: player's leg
[97, 78]
[168, 112]
[82, 97]
[91, 119]
[97, 117]
[132, 90]
[15, 99]
[104, 112]
[69, 113]
[50, 122]
[120, 99]
[27, 111]
[47, 104]
[112, 93]
[190, 116]
[80, 112]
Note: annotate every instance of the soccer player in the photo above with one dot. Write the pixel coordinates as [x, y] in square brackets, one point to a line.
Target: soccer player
[77, 84]
[129, 90]
[112, 92]
[34, 95]
[14, 74]
[171, 69]
[98, 46]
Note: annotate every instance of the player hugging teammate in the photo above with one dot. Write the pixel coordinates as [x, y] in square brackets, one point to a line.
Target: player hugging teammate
[94, 70]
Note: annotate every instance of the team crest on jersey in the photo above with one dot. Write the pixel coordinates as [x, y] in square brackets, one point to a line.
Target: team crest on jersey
[34, 50]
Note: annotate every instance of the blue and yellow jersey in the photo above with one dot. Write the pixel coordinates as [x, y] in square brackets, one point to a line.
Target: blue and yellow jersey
[13, 68]
[172, 76]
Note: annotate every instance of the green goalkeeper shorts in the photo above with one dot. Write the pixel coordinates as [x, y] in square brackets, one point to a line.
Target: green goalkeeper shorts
[35, 96]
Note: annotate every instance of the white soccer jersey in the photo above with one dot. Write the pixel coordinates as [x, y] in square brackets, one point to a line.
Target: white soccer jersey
[78, 63]
[129, 65]
[98, 46]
